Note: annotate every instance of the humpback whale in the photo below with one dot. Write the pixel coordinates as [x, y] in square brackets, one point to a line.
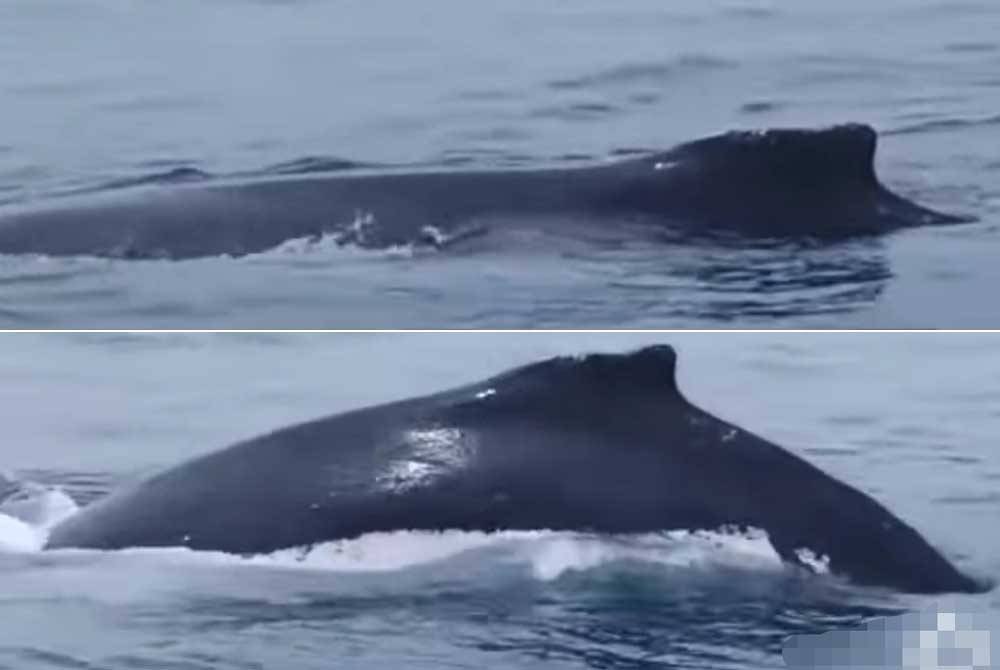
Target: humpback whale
[602, 443]
[785, 182]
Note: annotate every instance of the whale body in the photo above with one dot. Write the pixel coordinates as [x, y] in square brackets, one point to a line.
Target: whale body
[603, 443]
[784, 182]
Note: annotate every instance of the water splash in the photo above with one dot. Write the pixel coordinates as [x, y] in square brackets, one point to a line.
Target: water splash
[27, 512]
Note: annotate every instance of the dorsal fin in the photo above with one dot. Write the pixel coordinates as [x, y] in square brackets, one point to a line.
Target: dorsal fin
[651, 369]
[843, 152]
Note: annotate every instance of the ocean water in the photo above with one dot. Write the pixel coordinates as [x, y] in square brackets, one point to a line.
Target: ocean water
[100, 92]
[910, 418]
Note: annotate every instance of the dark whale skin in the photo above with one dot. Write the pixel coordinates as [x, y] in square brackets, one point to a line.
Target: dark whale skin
[602, 443]
[777, 183]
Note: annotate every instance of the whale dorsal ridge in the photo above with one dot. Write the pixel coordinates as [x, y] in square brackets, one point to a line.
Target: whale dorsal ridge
[649, 370]
[838, 153]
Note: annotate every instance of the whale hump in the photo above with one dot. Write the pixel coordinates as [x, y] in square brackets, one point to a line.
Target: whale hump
[793, 155]
[819, 183]
[652, 368]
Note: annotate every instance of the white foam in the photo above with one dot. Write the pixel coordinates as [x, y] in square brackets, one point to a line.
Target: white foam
[548, 554]
[380, 552]
[18, 537]
[332, 244]
[349, 241]
[309, 244]
[684, 549]
[27, 516]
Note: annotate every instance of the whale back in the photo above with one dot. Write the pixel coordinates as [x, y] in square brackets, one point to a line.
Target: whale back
[599, 443]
